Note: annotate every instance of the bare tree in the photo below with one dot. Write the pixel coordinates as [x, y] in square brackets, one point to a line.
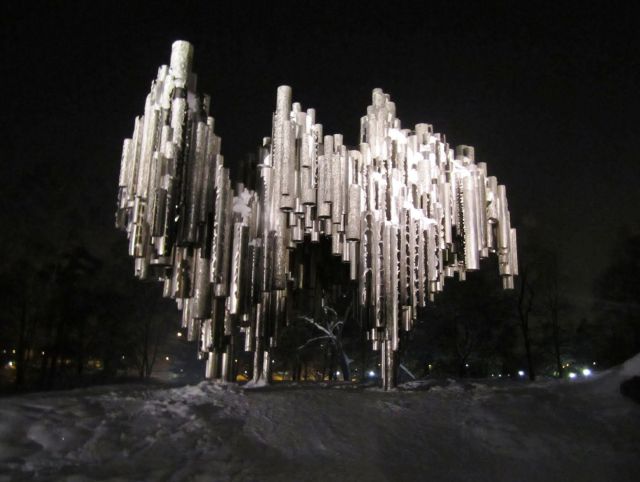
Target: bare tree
[330, 328]
[147, 349]
[526, 295]
[552, 302]
[149, 333]
[465, 344]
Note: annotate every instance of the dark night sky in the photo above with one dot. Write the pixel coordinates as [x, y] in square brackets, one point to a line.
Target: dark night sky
[546, 92]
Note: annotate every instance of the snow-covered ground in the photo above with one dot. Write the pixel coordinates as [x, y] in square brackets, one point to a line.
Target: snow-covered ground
[548, 431]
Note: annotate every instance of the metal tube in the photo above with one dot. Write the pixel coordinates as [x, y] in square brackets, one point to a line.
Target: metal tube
[404, 211]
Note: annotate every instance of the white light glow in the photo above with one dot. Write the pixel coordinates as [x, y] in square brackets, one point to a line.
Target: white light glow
[586, 372]
[521, 373]
[572, 375]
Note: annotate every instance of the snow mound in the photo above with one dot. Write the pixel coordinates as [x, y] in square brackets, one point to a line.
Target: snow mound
[608, 382]
[260, 383]
[435, 430]
[631, 367]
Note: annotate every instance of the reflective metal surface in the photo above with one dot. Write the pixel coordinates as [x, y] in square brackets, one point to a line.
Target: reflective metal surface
[403, 209]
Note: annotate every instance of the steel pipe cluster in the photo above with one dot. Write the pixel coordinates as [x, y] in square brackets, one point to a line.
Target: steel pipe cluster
[404, 210]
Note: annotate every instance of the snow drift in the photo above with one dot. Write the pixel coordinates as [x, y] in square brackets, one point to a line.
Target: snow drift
[433, 430]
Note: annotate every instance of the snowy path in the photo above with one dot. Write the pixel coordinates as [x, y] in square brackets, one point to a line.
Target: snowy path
[555, 431]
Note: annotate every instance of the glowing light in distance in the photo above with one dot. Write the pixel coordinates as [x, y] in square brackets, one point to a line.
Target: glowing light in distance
[572, 375]
[586, 372]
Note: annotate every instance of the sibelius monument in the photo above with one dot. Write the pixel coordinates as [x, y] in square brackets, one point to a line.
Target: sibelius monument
[395, 216]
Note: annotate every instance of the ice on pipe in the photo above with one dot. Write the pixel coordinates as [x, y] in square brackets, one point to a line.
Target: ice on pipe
[402, 208]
